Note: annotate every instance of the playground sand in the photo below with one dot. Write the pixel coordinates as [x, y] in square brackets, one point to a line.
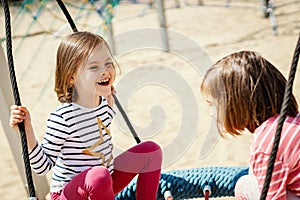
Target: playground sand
[216, 29]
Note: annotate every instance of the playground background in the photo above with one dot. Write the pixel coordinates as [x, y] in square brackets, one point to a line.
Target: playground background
[217, 28]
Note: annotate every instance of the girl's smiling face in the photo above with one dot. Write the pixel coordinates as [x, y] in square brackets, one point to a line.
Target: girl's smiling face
[94, 78]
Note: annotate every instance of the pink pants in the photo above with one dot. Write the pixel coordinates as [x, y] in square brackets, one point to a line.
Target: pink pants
[143, 159]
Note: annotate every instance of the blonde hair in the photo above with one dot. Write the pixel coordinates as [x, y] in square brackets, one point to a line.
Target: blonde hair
[246, 90]
[72, 53]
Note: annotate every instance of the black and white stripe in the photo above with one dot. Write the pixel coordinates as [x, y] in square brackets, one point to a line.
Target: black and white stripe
[70, 130]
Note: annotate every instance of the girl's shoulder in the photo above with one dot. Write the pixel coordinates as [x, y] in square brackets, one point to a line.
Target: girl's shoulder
[63, 112]
[290, 128]
[297, 119]
[291, 120]
[63, 108]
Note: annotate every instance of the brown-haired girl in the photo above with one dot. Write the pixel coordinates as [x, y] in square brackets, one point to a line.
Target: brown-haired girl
[247, 92]
[77, 143]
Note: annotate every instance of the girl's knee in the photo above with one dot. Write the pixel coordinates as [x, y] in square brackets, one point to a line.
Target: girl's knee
[154, 156]
[99, 176]
[95, 181]
[152, 149]
[98, 183]
[246, 188]
[150, 146]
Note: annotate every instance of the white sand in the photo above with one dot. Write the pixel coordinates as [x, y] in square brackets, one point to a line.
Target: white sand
[217, 29]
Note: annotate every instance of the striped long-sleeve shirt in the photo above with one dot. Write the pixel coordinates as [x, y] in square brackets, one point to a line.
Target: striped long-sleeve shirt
[70, 130]
[286, 174]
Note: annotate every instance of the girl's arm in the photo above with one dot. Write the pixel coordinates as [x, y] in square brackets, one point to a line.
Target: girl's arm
[41, 159]
[19, 114]
[110, 99]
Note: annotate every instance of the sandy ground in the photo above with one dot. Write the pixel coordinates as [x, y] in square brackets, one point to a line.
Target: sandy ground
[159, 89]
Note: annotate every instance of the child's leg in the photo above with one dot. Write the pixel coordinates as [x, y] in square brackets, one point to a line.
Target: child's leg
[147, 183]
[144, 159]
[93, 183]
[246, 188]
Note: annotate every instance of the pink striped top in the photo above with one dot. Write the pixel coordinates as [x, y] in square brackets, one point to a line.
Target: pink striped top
[286, 174]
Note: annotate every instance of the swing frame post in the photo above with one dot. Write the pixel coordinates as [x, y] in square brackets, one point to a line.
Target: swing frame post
[112, 40]
[163, 24]
[6, 99]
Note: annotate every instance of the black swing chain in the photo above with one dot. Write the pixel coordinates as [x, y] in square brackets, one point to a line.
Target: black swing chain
[31, 190]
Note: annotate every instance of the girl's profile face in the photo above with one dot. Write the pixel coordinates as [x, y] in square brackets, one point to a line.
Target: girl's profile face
[95, 77]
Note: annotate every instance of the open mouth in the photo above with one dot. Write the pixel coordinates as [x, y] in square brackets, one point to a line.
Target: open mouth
[104, 82]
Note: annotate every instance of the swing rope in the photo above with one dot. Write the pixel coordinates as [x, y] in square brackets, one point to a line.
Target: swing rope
[282, 116]
[17, 99]
[123, 113]
[67, 15]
